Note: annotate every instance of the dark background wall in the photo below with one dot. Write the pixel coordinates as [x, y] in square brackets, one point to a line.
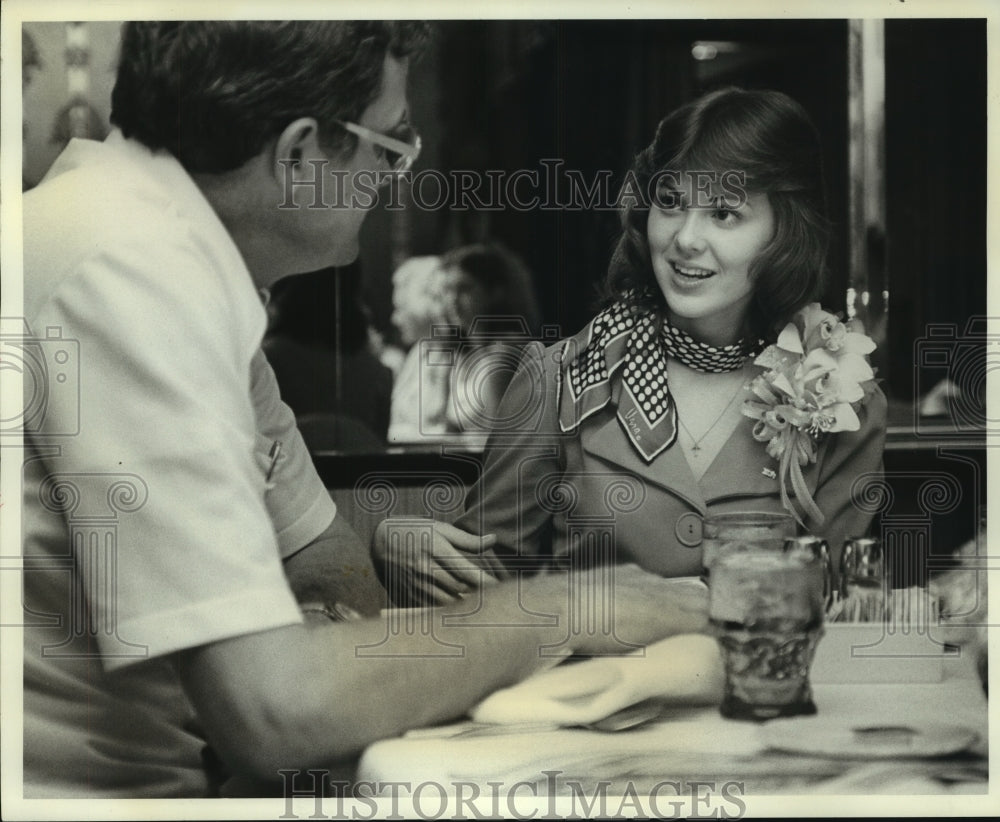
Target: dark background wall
[504, 95]
[935, 118]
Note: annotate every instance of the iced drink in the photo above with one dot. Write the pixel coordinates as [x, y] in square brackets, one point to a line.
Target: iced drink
[766, 609]
[723, 534]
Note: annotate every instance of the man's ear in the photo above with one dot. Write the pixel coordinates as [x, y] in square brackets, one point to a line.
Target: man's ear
[297, 143]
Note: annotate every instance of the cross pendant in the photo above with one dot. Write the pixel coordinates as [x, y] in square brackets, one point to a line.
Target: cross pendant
[696, 447]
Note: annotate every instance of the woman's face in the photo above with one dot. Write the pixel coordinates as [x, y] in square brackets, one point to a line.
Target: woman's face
[701, 259]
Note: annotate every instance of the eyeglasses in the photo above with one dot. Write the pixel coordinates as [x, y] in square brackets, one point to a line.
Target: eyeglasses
[401, 148]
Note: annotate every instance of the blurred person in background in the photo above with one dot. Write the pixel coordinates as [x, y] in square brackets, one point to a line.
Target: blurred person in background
[497, 315]
[422, 297]
[466, 316]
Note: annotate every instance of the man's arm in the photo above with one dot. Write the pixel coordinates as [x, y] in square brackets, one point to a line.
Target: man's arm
[336, 569]
[332, 568]
[304, 696]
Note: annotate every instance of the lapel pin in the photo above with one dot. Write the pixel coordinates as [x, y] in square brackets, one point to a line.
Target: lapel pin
[770, 473]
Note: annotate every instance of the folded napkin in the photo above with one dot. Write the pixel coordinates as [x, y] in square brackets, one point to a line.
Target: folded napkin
[682, 670]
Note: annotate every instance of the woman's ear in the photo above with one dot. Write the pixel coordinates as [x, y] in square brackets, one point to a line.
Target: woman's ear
[298, 144]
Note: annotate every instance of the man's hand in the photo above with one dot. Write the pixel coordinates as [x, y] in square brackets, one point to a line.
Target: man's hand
[611, 608]
[648, 607]
[418, 571]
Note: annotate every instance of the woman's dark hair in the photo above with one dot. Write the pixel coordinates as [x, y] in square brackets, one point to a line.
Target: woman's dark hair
[770, 138]
[501, 282]
[213, 93]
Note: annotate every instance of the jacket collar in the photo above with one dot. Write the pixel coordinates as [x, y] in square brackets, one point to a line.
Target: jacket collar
[738, 469]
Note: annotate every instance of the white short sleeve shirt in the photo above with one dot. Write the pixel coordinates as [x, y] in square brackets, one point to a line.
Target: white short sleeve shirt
[164, 478]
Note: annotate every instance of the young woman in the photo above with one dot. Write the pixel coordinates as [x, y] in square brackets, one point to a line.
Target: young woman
[621, 439]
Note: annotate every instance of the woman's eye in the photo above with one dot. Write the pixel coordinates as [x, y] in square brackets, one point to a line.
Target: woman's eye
[726, 216]
[669, 199]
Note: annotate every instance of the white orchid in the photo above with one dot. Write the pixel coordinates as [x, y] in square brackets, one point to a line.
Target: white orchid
[813, 328]
[816, 376]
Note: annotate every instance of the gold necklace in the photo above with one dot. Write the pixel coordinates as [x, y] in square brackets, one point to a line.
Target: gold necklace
[696, 446]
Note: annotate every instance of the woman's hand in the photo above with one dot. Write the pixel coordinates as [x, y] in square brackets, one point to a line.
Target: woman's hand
[425, 562]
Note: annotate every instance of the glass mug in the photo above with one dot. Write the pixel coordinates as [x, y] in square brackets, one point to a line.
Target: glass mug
[735, 531]
[766, 609]
[817, 548]
[863, 583]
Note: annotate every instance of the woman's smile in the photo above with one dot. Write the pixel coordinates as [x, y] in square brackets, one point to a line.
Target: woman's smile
[688, 273]
[702, 258]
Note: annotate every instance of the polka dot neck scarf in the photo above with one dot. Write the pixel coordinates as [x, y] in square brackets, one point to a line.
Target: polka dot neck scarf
[620, 342]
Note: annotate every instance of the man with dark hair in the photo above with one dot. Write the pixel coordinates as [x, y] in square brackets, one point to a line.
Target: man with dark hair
[173, 521]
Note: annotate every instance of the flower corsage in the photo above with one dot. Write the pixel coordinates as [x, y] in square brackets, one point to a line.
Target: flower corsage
[817, 377]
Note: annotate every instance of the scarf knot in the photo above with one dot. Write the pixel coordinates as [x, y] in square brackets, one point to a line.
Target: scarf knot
[620, 343]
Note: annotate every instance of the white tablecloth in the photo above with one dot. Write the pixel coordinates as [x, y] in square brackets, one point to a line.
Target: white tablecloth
[697, 743]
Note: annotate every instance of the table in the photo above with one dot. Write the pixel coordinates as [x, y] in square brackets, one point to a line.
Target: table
[688, 745]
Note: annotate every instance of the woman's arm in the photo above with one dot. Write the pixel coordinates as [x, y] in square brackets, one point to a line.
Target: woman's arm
[503, 518]
[525, 446]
